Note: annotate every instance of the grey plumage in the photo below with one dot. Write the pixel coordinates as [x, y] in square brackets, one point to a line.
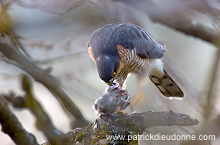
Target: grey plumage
[112, 100]
[121, 48]
[106, 39]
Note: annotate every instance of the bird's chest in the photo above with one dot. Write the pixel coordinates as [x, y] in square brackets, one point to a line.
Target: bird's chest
[131, 62]
[133, 65]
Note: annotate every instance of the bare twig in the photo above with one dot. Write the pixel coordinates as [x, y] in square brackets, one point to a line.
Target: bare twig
[56, 7]
[213, 89]
[43, 121]
[175, 19]
[46, 79]
[17, 43]
[8, 30]
[190, 28]
[11, 126]
[61, 58]
[16, 101]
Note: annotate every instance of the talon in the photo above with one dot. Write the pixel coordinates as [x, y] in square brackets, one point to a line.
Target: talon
[123, 92]
[121, 112]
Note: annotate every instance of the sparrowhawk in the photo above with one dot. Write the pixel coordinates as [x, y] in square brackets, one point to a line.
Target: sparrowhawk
[122, 48]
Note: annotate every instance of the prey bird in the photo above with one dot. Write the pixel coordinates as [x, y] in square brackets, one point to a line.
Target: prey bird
[119, 49]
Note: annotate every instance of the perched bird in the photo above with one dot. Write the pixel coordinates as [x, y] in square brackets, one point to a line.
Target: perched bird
[122, 48]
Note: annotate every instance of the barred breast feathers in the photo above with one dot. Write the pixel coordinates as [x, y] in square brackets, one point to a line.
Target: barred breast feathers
[135, 64]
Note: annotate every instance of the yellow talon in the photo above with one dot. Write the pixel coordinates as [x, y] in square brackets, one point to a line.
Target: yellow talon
[121, 112]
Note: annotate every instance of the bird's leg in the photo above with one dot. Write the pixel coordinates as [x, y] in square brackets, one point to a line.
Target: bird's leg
[141, 80]
[122, 83]
[139, 94]
[120, 112]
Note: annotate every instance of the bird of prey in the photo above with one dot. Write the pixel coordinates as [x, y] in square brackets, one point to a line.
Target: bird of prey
[119, 49]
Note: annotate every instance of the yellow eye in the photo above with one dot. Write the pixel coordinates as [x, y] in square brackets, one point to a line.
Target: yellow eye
[114, 74]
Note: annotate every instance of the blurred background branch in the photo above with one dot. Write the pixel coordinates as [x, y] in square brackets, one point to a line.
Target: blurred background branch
[46, 79]
[11, 125]
[43, 121]
[56, 38]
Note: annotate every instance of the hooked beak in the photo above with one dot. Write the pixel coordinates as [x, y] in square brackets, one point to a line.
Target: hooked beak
[111, 82]
[108, 83]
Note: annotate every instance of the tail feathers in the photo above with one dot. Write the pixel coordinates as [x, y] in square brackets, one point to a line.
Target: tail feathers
[167, 86]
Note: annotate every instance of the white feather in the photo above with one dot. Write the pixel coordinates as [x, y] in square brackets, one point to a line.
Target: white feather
[156, 67]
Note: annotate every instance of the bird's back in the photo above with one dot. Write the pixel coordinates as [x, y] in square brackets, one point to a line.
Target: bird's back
[130, 36]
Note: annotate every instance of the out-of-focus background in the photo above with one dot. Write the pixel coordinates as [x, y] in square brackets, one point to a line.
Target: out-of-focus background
[55, 34]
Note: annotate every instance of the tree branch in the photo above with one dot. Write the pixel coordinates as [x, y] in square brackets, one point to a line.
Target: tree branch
[188, 27]
[134, 124]
[176, 18]
[12, 126]
[43, 121]
[46, 79]
[111, 122]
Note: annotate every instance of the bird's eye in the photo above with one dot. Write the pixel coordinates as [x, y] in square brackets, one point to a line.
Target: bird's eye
[114, 74]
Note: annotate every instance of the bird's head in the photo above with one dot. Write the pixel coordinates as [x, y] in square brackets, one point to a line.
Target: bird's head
[107, 66]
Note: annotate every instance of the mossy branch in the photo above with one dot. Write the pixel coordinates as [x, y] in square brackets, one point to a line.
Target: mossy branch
[11, 126]
[133, 124]
[43, 121]
[110, 121]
